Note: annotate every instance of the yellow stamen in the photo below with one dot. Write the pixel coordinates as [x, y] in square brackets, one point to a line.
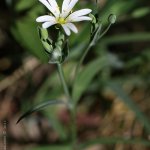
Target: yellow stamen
[61, 21]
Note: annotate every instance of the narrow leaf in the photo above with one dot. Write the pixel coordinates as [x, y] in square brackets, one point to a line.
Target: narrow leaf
[130, 103]
[141, 12]
[25, 32]
[53, 147]
[126, 38]
[24, 5]
[114, 140]
[84, 78]
[39, 107]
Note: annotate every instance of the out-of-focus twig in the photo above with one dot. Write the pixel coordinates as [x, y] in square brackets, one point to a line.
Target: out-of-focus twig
[28, 65]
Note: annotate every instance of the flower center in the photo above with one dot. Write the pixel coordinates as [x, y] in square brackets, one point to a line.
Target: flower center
[61, 20]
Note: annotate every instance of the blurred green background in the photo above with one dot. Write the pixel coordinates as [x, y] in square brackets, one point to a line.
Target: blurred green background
[114, 107]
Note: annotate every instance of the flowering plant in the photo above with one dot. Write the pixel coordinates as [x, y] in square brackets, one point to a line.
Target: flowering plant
[64, 17]
[58, 50]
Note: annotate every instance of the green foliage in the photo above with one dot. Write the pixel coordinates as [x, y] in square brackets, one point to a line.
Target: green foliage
[61, 147]
[141, 12]
[48, 90]
[23, 5]
[114, 140]
[39, 107]
[85, 77]
[130, 103]
[26, 33]
[25, 28]
[119, 8]
[57, 50]
[102, 67]
[126, 38]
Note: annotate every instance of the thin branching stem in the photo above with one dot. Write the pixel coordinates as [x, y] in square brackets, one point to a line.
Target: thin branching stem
[92, 43]
[105, 31]
[82, 59]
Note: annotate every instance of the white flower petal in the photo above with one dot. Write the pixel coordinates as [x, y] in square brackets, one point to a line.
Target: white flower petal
[54, 7]
[69, 8]
[65, 5]
[45, 18]
[79, 13]
[72, 4]
[53, 3]
[65, 15]
[66, 29]
[72, 27]
[44, 2]
[77, 19]
[48, 24]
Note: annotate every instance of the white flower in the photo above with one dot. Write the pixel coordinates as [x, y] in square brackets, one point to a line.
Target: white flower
[64, 17]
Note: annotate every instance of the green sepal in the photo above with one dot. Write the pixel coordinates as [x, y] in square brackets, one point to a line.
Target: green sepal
[95, 24]
[47, 44]
[43, 33]
[46, 41]
[60, 40]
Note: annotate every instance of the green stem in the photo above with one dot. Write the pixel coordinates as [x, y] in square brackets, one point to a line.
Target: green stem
[82, 59]
[62, 79]
[105, 31]
[71, 107]
[92, 43]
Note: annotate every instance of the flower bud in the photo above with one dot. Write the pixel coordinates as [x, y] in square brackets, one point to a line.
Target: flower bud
[56, 54]
[112, 18]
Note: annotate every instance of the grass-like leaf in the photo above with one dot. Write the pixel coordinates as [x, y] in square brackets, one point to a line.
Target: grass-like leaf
[85, 77]
[114, 140]
[125, 38]
[24, 5]
[54, 147]
[131, 104]
[25, 32]
[39, 107]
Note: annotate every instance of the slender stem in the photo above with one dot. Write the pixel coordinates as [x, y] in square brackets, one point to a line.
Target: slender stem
[71, 104]
[71, 107]
[105, 31]
[74, 129]
[62, 79]
[82, 59]
[92, 43]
